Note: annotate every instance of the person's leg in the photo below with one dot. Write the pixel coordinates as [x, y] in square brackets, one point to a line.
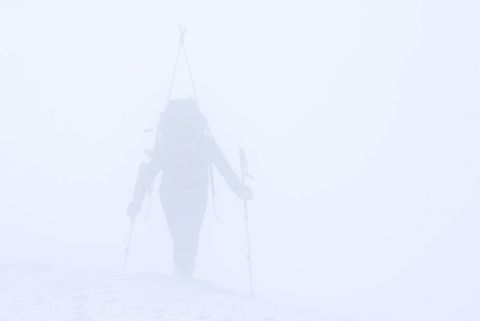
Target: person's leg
[173, 210]
[192, 229]
[184, 215]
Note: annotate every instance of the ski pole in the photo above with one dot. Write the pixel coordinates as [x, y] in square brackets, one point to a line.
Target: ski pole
[243, 164]
[147, 213]
[127, 247]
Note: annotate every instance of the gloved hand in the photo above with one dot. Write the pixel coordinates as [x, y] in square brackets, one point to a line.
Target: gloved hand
[132, 210]
[245, 193]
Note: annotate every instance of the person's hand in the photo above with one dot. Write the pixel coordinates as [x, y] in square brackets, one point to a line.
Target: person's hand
[132, 210]
[245, 193]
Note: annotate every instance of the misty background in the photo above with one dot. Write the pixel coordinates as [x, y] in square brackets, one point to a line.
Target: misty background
[360, 121]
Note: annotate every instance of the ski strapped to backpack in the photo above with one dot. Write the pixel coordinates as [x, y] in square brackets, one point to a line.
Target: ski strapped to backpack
[182, 49]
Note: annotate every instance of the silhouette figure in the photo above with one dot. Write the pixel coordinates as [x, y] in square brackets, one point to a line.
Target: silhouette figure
[184, 155]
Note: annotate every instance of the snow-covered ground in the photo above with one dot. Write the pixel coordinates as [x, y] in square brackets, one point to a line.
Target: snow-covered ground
[45, 293]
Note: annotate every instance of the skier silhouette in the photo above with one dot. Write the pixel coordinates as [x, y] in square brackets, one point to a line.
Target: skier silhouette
[184, 155]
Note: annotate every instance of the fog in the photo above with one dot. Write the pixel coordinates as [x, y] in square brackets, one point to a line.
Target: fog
[360, 122]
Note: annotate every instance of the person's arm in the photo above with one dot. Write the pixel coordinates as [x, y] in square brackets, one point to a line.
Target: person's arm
[146, 176]
[222, 165]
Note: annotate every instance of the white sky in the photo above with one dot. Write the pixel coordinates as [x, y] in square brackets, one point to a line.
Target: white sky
[360, 120]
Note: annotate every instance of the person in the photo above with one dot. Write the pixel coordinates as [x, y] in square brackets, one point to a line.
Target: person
[184, 155]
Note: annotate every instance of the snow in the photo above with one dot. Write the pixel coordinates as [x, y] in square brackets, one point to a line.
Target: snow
[51, 294]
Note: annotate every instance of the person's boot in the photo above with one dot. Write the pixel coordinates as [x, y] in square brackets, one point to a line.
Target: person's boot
[183, 272]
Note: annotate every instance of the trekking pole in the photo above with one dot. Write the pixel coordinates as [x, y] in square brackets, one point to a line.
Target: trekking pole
[127, 247]
[244, 168]
[147, 212]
